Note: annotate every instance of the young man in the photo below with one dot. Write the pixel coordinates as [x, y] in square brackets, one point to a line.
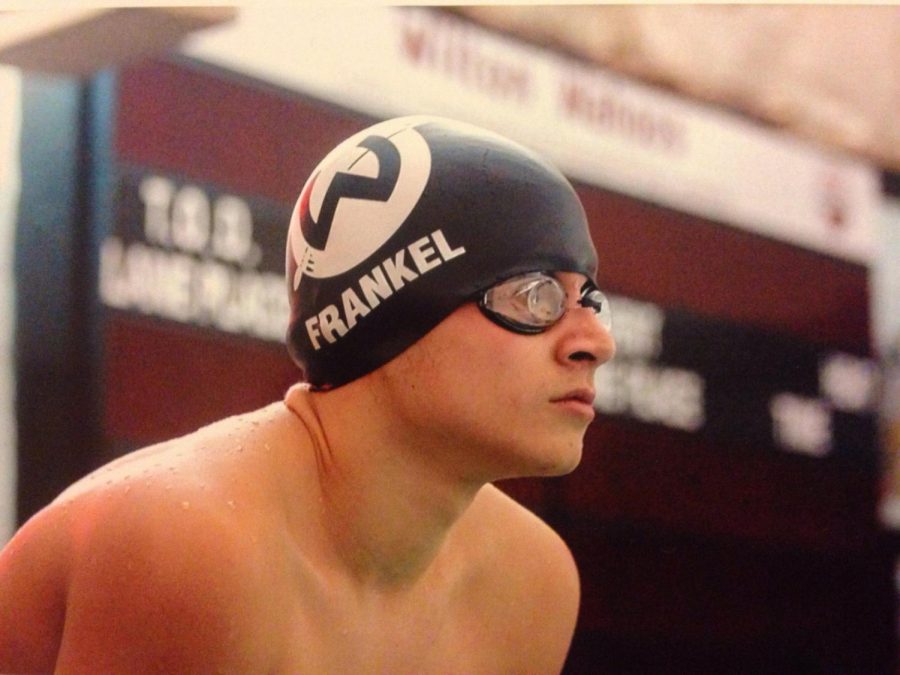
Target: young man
[446, 319]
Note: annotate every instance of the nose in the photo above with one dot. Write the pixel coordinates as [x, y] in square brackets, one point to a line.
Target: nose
[583, 339]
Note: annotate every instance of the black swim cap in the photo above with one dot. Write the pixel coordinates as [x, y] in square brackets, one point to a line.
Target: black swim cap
[407, 220]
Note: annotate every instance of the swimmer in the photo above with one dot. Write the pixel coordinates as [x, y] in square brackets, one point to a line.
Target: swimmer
[446, 319]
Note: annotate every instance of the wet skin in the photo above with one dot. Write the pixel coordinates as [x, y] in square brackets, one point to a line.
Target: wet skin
[353, 531]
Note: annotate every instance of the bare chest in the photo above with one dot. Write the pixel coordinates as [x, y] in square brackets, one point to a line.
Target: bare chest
[432, 636]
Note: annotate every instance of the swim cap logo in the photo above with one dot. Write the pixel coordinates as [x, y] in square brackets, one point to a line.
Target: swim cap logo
[357, 198]
[353, 186]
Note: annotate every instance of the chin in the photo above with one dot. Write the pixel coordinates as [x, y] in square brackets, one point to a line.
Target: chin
[536, 455]
[565, 468]
[559, 460]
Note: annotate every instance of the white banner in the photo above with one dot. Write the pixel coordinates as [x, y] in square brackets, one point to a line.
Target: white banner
[10, 181]
[598, 127]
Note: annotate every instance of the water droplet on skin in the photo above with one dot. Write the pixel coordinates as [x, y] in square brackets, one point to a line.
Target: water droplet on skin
[267, 447]
[230, 504]
[185, 505]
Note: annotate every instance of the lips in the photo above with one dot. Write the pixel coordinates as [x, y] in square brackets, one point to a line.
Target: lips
[584, 395]
[578, 402]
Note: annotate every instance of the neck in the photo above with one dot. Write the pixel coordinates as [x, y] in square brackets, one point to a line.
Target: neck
[388, 501]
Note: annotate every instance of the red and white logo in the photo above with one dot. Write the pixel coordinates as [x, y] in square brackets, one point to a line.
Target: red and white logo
[357, 198]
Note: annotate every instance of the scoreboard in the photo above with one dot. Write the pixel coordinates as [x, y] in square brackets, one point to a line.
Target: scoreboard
[193, 253]
[191, 276]
[738, 384]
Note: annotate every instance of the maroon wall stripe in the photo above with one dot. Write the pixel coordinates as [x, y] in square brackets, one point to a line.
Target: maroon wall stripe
[254, 140]
[678, 260]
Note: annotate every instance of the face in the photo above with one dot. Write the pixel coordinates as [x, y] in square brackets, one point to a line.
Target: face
[501, 404]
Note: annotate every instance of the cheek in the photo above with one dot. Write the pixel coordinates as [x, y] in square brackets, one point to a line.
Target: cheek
[510, 382]
[469, 358]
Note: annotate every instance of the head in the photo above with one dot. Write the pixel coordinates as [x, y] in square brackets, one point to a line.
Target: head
[398, 234]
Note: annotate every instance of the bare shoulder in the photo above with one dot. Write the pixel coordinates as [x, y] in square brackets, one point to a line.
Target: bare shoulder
[157, 561]
[33, 571]
[159, 579]
[527, 581]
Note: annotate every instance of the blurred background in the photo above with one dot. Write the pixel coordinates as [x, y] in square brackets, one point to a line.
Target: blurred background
[738, 504]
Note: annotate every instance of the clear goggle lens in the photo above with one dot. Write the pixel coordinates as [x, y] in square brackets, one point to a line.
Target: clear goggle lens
[531, 303]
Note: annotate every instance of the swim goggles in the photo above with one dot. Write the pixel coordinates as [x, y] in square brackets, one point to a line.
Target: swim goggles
[531, 303]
